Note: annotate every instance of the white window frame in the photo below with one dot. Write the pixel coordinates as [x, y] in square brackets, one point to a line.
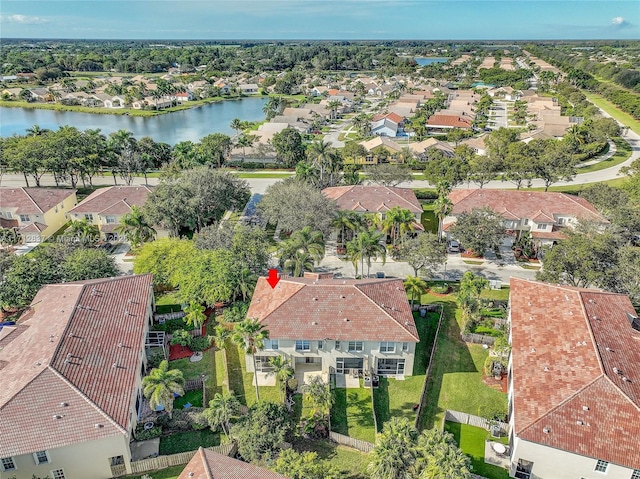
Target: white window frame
[320, 344]
[25, 218]
[405, 346]
[635, 474]
[4, 467]
[353, 346]
[36, 457]
[88, 216]
[337, 344]
[272, 344]
[58, 474]
[110, 217]
[8, 215]
[599, 464]
[305, 345]
[387, 347]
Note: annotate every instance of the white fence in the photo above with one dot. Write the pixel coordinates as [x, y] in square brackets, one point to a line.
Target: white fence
[358, 444]
[470, 419]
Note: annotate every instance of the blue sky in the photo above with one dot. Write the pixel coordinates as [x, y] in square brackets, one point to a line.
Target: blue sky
[321, 19]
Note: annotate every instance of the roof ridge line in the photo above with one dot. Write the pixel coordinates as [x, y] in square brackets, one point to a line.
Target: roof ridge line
[637, 406]
[203, 457]
[590, 329]
[385, 312]
[283, 302]
[2, 406]
[31, 198]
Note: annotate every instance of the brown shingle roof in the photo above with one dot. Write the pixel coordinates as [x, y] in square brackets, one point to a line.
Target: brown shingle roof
[307, 308]
[81, 348]
[373, 198]
[567, 395]
[33, 200]
[207, 464]
[114, 200]
[454, 121]
[540, 205]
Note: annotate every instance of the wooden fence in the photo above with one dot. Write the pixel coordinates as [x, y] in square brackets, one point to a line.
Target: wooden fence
[162, 462]
[358, 444]
[373, 407]
[167, 316]
[470, 419]
[193, 384]
[423, 393]
[478, 338]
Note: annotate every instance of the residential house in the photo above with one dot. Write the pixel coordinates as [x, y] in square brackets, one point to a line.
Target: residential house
[342, 326]
[386, 125]
[105, 207]
[442, 123]
[574, 387]
[71, 379]
[110, 101]
[249, 88]
[41, 94]
[35, 213]
[420, 148]
[544, 214]
[380, 149]
[181, 96]
[12, 92]
[207, 464]
[477, 144]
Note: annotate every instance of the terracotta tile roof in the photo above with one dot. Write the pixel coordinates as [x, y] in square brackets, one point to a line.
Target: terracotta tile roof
[572, 349]
[32, 200]
[114, 199]
[207, 464]
[33, 228]
[552, 235]
[5, 223]
[315, 309]
[80, 345]
[373, 198]
[525, 204]
[453, 121]
[389, 116]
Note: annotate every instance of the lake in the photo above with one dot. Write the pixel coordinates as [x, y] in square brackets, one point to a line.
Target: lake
[171, 128]
[422, 61]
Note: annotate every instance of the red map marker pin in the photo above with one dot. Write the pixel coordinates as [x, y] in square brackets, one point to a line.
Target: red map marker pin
[273, 278]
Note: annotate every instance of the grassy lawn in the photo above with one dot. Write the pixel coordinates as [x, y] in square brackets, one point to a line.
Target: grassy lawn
[241, 382]
[169, 473]
[428, 218]
[352, 414]
[210, 365]
[456, 379]
[622, 154]
[614, 111]
[471, 440]
[167, 302]
[192, 397]
[188, 441]
[395, 398]
[351, 462]
[496, 294]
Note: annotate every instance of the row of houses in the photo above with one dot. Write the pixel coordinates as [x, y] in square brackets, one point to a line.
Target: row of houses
[38, 213]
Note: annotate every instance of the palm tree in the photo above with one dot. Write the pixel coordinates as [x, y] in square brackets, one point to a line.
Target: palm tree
[222, 408]
[250, 336]
[83, 231]
[299, 262]
[320, 152]
[347, 220]
[160, 386]
[246, 283]
[415, 286]
[309, 241]
[442, 206]
[236, 124]
[282, 370]
[135, 228]
[367, 245]
[195, 316]
[394, 452]
[319, 394]
[246, 141]
[398, 221]
[220, 336]
[333, 106]
[36, 130]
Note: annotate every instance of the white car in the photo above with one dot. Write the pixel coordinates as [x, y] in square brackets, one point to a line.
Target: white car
[454, 246]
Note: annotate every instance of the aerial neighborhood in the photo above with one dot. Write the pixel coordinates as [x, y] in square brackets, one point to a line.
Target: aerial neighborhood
[341, 260]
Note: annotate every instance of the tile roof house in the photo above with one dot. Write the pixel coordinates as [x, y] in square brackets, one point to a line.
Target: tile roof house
[543, 213]
[71, 378]
[373, 199]
[344, 326]
[207, 464]
[447, 122]
[106, 206]
[386, 125]
[574, 383]
[35, 213]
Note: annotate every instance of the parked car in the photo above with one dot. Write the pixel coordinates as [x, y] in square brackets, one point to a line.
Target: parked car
[454, 246]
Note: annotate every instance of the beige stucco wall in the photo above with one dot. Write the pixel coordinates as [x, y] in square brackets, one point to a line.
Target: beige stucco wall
[57, 219]
[89, 460]
[550, 463]
[371, 351]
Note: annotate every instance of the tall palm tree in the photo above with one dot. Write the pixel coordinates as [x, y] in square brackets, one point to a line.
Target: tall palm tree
[236, 124]
[333, 106]
[299, 262]
[246, 141]
[320, 153]
[250, 336]
[394, 452]
[415, 286]
[347, 220]
[195, 316]
[442, 206]
[319, 394]
[282, 370]
[245, 284]
[222, 408]
[220, 336]
[367, 245]
[399, 222]
[83, 231]
[160, 386]
[135, 228]
[309, 241]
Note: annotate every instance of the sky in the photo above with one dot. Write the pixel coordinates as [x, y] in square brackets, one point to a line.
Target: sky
[321, 19]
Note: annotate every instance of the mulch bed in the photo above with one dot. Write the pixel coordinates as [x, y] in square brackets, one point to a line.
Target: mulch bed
[180, 352]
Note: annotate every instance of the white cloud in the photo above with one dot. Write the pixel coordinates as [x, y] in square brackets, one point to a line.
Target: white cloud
[617, 20]
[23, 19]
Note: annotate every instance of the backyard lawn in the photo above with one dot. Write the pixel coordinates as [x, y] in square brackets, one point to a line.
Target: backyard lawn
[167, 302]
[207, 366]
[352, 413]
[350, 461]
[456, 379]
[169, 473]
[192, 397]
[471, 440]
[188, 441]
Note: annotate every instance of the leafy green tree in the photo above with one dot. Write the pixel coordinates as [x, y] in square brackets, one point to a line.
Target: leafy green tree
[162, 258]
[305, 465]
[161, 384]
[319, 395]
[453, 171]
[479, 230]
[250, 336]
[282, 370]
[206, 276]
[195, 316]
[182, 338]
[216, 148]
[517, 166]
[88, 263]
[415, 286]
[261, 432]
[626, 275]
[135, 228]
[222, 409]
[424, 253]
[289, 147]
[552, 161]
[367, 245]
[387, 174]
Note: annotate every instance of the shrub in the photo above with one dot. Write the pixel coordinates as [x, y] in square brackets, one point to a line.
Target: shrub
[425, 194]
[236, 313]
[200, 343]
[170, 325]
[154, 359]
[145, 435]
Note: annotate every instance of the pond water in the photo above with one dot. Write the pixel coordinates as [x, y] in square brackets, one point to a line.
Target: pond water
[422, 61]
[171, 128]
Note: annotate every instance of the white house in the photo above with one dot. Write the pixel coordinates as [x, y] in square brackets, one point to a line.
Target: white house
[71, 379]
[574, 383]
[326, 325]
